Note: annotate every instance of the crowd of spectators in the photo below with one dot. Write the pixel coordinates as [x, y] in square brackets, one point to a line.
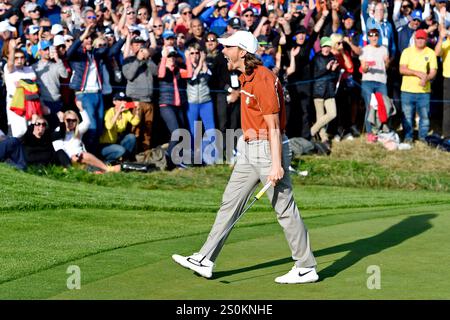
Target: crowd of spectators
[97, 81]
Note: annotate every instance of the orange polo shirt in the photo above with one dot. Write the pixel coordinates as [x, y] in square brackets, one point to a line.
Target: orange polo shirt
[261, 94]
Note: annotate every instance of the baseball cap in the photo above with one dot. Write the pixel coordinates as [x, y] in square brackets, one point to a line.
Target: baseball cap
[416, 14]
[56, 28]
[168, 34]
[5, 26]
[58, 40]
[249, 9]
[33, 29]
[349, 15]
[300, 29]
[137, 39]
[325, 42]
[67, 37]
[44, 44]
[242, 39]
[421, 34]
[31, 7]
[121, 96]
[235, 23]
[440, 1]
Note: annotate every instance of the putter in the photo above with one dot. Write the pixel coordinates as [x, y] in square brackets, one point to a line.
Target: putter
[255, 198]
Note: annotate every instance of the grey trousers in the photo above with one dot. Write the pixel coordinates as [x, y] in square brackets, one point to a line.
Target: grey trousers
[253, 165]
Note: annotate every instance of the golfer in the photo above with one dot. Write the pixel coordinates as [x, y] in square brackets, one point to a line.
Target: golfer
[264, 156]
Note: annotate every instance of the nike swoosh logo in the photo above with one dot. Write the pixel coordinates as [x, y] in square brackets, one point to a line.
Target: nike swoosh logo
[304, 274]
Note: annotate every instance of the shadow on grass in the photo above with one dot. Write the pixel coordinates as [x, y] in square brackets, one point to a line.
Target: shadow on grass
[357, 250]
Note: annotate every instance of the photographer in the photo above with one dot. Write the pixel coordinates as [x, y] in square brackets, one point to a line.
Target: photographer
[116, 143]
[325, 66]
[139, 71]
[49, 69]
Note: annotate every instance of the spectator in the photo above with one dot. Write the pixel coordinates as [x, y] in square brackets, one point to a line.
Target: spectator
[374, 62]
[325, 66]
[11, 152]
[216, 17]
[300, 78]
[139, 71]
[196, 34]
[343, 95]
[171, 97]
[418, 65]
[38, 146]
[14, 71]
[86, 80]
[200, 105]
[405, 35]
[116, 142]
[49, 69]
[52, 11]
[72, 143]
[220, 85]
[442, 50]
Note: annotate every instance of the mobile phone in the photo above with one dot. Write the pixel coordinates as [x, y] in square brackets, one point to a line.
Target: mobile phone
[129, 105]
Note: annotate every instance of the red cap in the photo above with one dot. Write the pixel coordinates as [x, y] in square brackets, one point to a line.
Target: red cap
[421, 34]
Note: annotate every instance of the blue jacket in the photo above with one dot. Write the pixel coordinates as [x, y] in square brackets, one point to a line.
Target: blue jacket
[79, 61]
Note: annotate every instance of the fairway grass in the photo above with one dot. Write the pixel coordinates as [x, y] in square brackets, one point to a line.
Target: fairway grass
[122, 233]
[402, 242]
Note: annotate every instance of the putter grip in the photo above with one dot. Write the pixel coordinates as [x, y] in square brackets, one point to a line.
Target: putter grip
[263, 190]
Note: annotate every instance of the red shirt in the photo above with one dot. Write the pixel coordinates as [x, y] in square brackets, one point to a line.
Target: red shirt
[261, 94]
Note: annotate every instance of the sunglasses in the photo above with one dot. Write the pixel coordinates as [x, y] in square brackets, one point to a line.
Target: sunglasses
[71, 120]
[101, 45]
[34, 11]
[192, 53]
[131, 12]
[40, 124]
[91, 17]
[373, 34]
[339, 43]
[211, 40]
[142, 13]
[248, 15]
[158, 26]
[187, 12]
[227, 47]
[66, 12]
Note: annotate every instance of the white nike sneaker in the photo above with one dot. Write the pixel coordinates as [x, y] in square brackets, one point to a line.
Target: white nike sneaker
[299, 275]
[203, 268]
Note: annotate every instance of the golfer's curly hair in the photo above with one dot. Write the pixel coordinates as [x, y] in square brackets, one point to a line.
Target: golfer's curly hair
[251, 62]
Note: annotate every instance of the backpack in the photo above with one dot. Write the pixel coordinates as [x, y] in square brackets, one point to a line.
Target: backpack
[155, 156]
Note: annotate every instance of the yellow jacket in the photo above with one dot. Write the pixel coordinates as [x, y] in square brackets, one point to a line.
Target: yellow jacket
[112, 130]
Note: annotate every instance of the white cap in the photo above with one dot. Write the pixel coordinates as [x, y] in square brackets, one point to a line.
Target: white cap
[242, 39]
[33, 29]
[31, 6]
[67, 37]
[159, 3]
[58, 40]
[56, 28]
[5, 26]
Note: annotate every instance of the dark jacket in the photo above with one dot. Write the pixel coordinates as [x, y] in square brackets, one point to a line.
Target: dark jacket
[166, 88]
[79, 61]
[220, 75]
[41, 151]
[324, 85]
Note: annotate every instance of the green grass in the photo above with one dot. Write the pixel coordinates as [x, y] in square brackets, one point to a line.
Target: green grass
[121, 230]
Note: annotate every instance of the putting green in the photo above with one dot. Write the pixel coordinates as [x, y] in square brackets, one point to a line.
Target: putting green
[408, 244]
